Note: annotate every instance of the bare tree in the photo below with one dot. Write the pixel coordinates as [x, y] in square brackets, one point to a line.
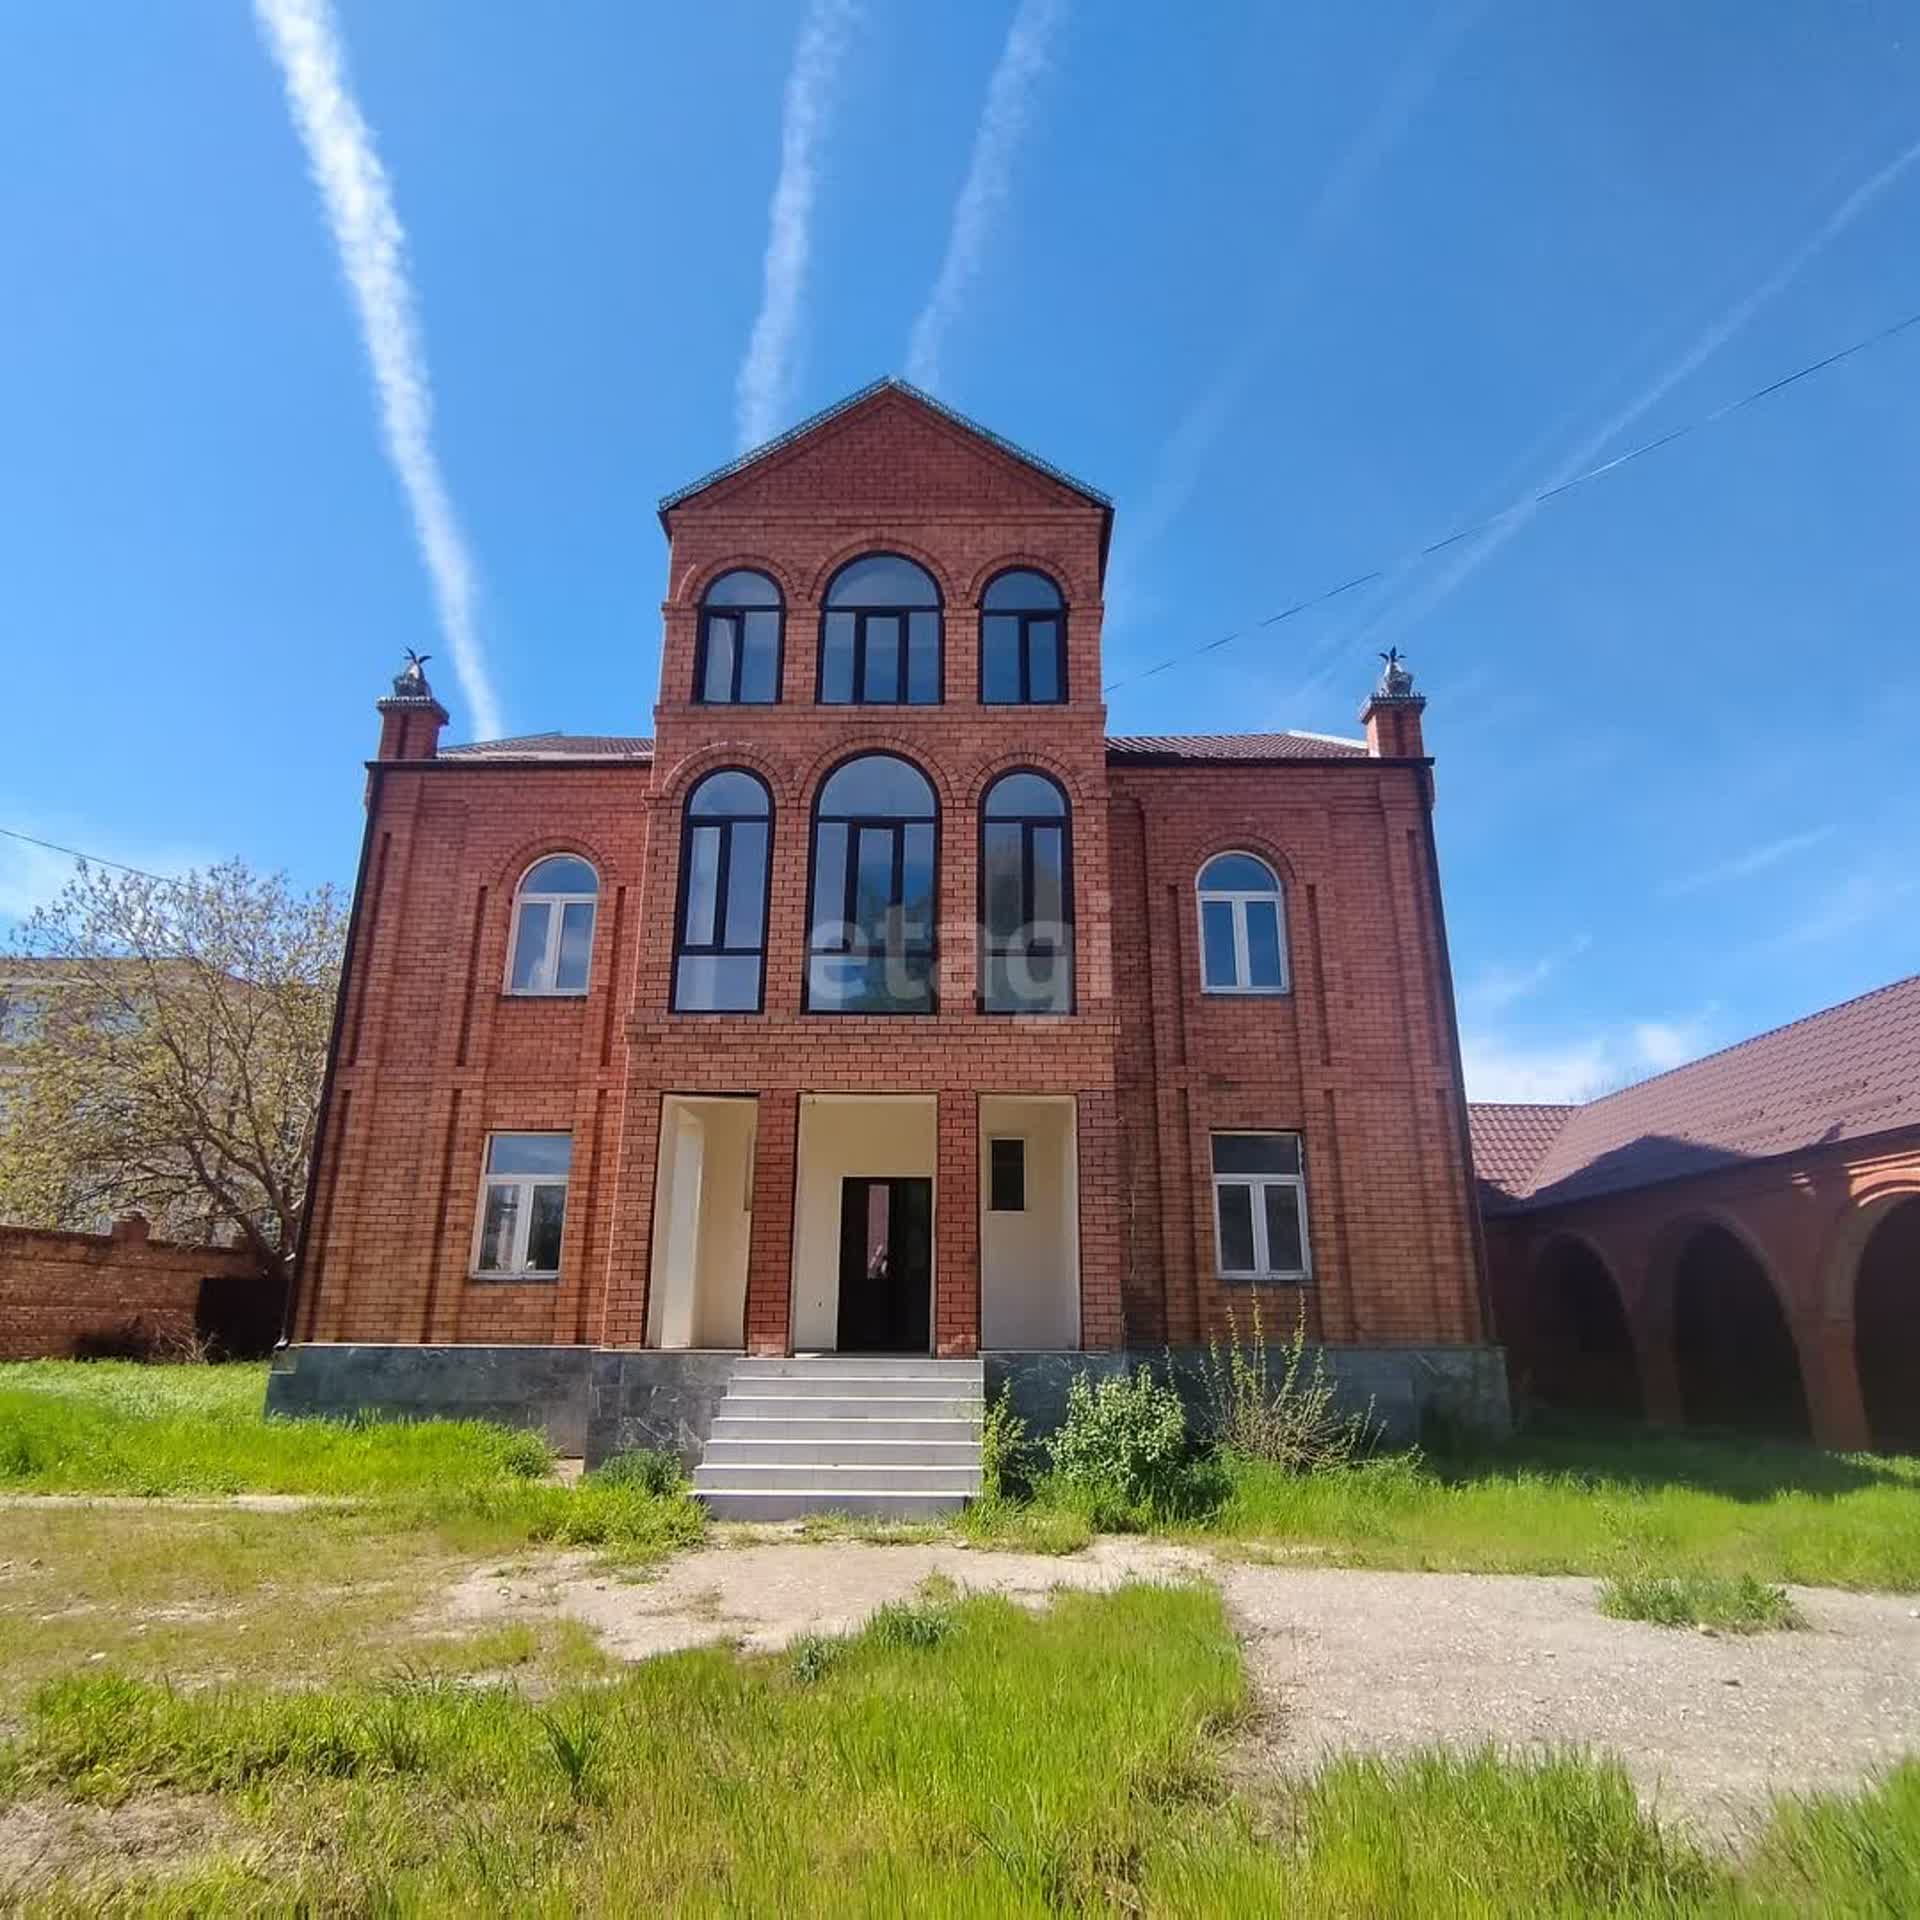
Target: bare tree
[176, 1061]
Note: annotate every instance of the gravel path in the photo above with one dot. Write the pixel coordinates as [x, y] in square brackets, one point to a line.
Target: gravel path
[1710, 1726]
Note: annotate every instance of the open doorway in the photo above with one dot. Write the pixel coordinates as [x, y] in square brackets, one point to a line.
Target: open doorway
[886, 1265]
[702, 1220]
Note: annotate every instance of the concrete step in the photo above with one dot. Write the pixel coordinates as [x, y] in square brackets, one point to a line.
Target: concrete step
[807, 1428]
[892, 1385]
[824, 1477]
[871, 1503]
[856, 1366]
[844, 1406]
[726, 1451]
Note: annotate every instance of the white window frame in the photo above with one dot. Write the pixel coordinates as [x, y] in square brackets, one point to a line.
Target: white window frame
[543, 987]
[1263, 1269]
[518, 1269]
[1237, 899]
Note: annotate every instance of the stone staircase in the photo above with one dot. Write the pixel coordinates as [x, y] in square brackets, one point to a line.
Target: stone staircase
[895, 1438]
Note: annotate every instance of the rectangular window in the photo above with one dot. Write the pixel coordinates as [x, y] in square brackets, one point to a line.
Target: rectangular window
[1260, 1206]
[1007, 1177]
[523, 1205]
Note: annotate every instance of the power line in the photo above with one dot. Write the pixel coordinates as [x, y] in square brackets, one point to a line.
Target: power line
[92, 859]
[1532, 500]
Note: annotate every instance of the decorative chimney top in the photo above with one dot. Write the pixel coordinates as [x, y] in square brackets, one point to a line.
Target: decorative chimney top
[1396, 683]
[410, 683]
[410, 717]
[1392, 712]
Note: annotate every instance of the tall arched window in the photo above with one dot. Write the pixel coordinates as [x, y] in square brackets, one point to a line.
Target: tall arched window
[742, 624]
[553, 927]
[1026, 897]
[1243, 927]
[871, 948]
[880, 635]
[1023, 641]
[720, 955]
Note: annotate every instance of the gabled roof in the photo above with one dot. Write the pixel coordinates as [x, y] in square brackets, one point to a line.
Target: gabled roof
[1510, 1137]
[1147, 749]
[1847, 1073]
[556, 746]
[891, 384]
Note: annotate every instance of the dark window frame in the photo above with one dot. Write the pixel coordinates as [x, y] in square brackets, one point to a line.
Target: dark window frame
[722, 874]
[853, 821]
[860, 616]
[736, 615]
[1026, 616]
[1062, 823]
[1016, 1171]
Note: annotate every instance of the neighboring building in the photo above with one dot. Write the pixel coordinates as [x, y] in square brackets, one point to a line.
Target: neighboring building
[1734, 1242]
[879, 1002]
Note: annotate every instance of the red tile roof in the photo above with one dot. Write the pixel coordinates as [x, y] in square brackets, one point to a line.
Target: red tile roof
[1509, 1139]
[1233, 746]
[1844, 1074]
[555, 746]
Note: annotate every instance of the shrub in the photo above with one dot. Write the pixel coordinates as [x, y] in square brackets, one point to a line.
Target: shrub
[1288, 1416]
[1123, 1441]
[526, 1455]
[1003, 1450]
[647, 1469]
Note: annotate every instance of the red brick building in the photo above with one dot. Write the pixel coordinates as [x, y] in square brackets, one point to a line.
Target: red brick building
[879, 1001]
[1736, 1242]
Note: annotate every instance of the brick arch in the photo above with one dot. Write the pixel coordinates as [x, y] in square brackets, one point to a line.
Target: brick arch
[1013, 562]
[692, 767]
[881, 542]
[1246, 838]
[509, 874]
[1847, 1238]
[985, 772]
[693, 583]
[808, 786]
[1882, 1328]
[1585, 1351]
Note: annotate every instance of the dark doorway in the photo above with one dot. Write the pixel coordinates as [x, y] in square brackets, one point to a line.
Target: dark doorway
[1886, 1330]
[1731, 1343]
[886, 1266]
[1582, 1356]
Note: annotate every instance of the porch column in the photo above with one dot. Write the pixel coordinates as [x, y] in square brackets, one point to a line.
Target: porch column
[1102, 1206]
[956, 1208]
[769, 1316]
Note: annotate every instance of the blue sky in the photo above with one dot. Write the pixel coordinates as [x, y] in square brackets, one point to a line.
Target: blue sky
[1301, 287]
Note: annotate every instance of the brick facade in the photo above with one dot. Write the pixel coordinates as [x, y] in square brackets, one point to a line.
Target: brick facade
[431, 1053]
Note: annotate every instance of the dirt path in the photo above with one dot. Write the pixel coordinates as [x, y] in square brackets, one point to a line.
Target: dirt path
[1710, 1726]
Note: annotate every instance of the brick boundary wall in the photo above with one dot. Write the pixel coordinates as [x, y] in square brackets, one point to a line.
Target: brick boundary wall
[57, 1289]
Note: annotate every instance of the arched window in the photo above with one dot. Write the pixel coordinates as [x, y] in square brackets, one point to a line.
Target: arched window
[1243, 929]
[553, 927]
[1023, 641]
[880, 635]
[1026, 897]
[871, 947]
[720, 955]
[742, 623]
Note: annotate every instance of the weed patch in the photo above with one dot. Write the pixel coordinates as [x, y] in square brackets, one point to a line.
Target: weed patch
[1740, 1604]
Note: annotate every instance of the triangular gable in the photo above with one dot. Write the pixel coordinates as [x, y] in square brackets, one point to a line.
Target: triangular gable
[856, 453]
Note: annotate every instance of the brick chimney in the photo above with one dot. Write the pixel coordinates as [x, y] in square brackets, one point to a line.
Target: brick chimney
[1392, 713]
[410, 717]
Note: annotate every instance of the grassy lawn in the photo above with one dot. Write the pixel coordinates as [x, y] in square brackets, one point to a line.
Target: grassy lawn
[958, 1757]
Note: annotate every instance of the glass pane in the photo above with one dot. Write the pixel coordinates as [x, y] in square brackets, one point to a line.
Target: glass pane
[530, 949]
[1237, 873]
[1021, 592]
[703, 879]
[561, 874]
[916, 884]
[1263, 943]
[717, 983]
[829, 885]
[760, 670]
[1049, 882]
[836, 660]
[1007, 1178]
[1006, 902]
[1030, 794]
[1216, 941]
[923, 659]
[1235, 1206]
[543, 1229]
[873, 882]
[1256, 1153]
[1025, 981]
[496, 1229]
[1043, 660]
[870, 983]
[746, 884]
[882, 680]
[729, 793]
[529, 1152]
[882, 580]
[999, 659]
[879, 783]
[576, 946]
[743, 588]
[722, 637]
[1283, 1229]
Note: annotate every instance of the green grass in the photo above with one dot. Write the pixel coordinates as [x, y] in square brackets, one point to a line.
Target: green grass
[999, 1763]
[1739, 1605]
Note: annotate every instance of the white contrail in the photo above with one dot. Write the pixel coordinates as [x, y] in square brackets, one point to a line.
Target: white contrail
[304, 39]
[1002, 121]
[761, 391]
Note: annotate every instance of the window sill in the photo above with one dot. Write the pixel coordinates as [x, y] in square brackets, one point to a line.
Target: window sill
[513, 1279]
[1246, 993]
[1264, 1279]
[544, 993]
